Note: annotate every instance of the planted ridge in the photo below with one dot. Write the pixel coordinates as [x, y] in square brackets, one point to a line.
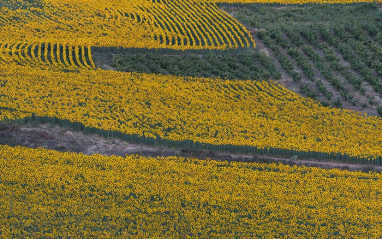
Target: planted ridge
[46, 55]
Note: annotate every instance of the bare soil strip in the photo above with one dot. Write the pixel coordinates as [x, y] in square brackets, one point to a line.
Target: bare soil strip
[53, 137]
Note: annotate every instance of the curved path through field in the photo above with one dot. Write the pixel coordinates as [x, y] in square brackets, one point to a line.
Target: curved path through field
[64, 139]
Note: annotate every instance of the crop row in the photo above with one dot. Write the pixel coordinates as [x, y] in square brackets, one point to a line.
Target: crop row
[293, 1]
[46, 193]
[52, 55]
[213, 111]
[178, 25]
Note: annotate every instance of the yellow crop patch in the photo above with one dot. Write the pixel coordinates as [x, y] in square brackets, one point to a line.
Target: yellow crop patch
[214, 111]
[140, 23]
[46, 55]
[45, 193]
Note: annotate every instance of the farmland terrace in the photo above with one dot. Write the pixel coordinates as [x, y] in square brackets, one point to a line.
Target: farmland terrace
[331, 53]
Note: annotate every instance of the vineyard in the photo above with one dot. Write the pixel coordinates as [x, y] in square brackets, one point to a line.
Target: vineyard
[277, 81]
[233, 65]
[336, 60]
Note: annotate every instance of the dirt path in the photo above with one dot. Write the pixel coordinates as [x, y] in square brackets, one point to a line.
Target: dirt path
[63, 139]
